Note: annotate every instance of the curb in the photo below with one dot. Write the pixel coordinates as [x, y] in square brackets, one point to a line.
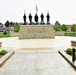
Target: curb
[5, 58]
[71, 63]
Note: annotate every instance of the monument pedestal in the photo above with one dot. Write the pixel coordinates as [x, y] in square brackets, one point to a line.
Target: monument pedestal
[36, 32]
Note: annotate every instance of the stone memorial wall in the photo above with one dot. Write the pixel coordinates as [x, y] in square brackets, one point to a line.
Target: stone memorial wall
[36, 32]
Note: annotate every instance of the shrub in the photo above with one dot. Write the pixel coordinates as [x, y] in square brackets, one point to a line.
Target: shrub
[69, 51]
[3, 52]
[16, 28]
[57, 28]
[5, 33]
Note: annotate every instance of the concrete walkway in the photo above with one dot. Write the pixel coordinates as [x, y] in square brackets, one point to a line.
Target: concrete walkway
[36, 62]
[36, 56]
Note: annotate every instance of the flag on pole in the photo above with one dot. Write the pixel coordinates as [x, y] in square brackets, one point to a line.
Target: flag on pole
[47, 11]
[24, 11]
[36, 8]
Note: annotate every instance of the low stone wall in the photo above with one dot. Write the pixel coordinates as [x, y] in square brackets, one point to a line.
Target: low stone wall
[14, 34]
[59, 33]
[36, 32]
[41, 32]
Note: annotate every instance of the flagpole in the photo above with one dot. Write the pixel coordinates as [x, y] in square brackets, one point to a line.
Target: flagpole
[47, 11]
[36, 8]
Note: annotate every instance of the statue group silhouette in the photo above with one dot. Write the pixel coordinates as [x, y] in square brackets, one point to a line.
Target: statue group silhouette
[36, 18]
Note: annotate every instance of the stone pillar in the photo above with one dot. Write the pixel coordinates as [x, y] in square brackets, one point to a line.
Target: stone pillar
[73, 55]
[73, 43]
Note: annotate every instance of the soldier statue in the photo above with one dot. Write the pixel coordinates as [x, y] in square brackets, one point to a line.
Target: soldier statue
[42, 18]
[24, 18]
[48, 18]
[30, 18]
[36, 18]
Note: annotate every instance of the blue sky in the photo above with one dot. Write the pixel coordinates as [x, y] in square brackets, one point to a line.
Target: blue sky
[63, 11]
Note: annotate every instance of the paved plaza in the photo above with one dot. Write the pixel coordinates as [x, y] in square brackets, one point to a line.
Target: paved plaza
[36, 57]
[59, 43]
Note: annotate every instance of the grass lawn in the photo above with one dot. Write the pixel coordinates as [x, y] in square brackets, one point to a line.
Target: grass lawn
[65, 34]
[69, 34]
[2, 35]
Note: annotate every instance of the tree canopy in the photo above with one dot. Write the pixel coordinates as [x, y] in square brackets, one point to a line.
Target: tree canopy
[73, 28]
[57, 28]
[64, 27]
[7, 23]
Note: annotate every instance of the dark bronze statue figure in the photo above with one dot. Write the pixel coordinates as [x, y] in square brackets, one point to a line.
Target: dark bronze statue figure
[24, 18]
[48, 18]
[36, 18]
[30, 18]
[42, 18]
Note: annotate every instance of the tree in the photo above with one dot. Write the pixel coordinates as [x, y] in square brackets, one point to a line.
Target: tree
[7, 23]
[11, 23]
[57, 23]
[57, 28]
[16, 28]
[64, 27]
[73, 28]
[1, 25]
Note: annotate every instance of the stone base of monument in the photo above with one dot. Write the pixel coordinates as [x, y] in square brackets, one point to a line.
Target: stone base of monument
[36, 32]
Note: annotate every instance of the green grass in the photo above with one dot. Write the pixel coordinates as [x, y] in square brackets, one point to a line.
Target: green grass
[69, 34]
[2, 35]
[65, 34]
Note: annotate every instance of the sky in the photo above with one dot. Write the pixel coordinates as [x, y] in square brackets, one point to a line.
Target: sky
[63, 11]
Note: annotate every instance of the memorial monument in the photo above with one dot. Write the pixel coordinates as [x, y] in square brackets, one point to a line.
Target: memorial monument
[36, 30]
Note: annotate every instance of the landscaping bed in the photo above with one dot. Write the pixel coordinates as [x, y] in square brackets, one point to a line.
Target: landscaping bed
[2, 53]
[69, 52]
[67, 55]
[4, 56]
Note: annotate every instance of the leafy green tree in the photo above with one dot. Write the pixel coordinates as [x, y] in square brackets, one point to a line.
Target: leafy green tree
[16, 28]
[57, 28]
[73, 28]
[7, 23]
[64, 27]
